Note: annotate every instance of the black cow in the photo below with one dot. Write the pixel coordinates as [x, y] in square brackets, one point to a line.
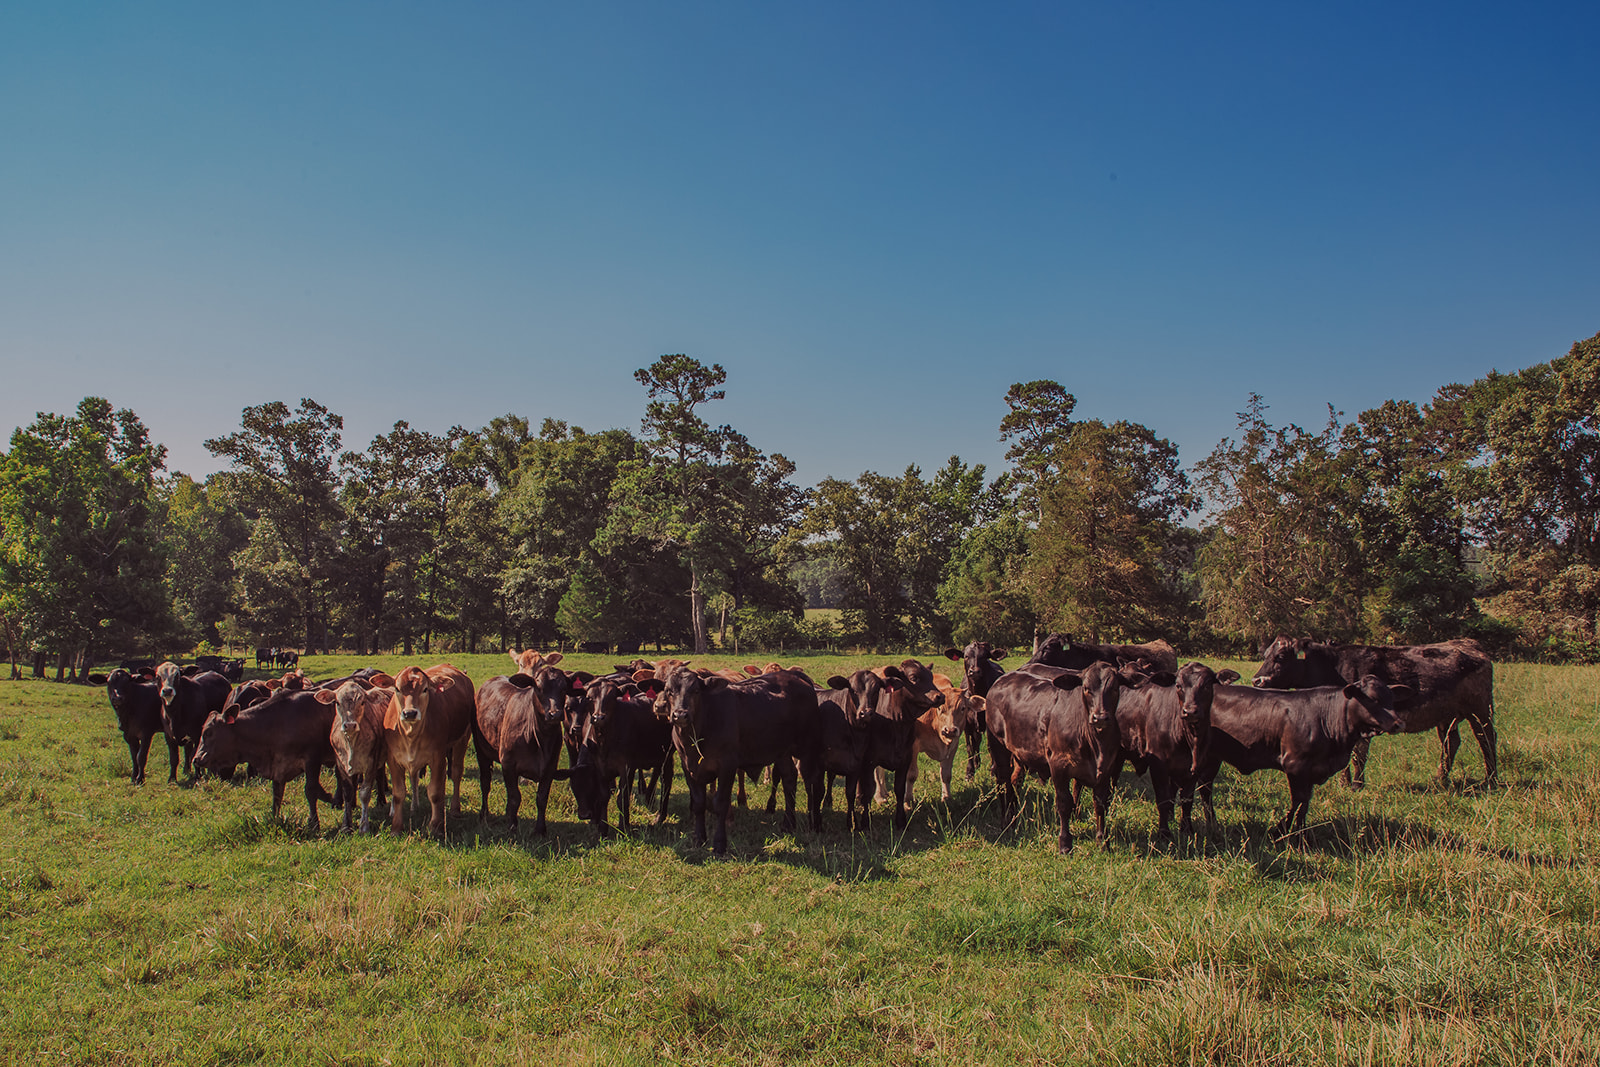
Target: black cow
[135, 699]
[719, 727]
[623, 735]
[1060, 725]
[1062, 650]
[285, 657]
[1164, 724]
[843, 711]
[1450, 683]
[281, 737]
[187, 698]
[1307, 734]
[265, 656]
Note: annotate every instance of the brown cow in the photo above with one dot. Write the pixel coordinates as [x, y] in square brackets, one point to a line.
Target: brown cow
[359, 741]
[980, 662]
[938, 735]
[1450, 683]
[427, 727]
[1063, 650]
[1307, 734]
[519, 726]
[282, 737]
[1060, 725]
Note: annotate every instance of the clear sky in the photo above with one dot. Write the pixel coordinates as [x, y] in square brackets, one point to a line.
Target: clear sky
[876, 216]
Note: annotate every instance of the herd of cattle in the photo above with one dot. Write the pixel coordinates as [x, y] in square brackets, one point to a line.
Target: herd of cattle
[1075, 714]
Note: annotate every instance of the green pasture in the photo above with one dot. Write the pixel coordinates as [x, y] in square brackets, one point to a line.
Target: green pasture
[1408, 924]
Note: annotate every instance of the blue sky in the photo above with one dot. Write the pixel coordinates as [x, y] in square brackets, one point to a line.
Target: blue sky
[876, 216]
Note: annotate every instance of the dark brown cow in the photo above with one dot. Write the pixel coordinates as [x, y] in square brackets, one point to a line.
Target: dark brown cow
[1307, 734]
[911, 689]
[719, 727]
[520, 726]
[135, 699]
[1450, 683]
[623, 735]
[1060, 725]
[427, 727]
[282, 737]
[980, 663]
[358, 741]
[1165, 727]
[1062, 650]
[187, 698]
[843, 712]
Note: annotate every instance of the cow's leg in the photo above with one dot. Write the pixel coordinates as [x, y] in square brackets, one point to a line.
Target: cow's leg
[880, 779]
[1062, 780]
[697, 809]
[742, 799]
[946, 769]
[457, 766]
[784, 771]
[1449, 742]
[827, 798]
[437, 779]
[397, 796]
[1185, 792]
[172, 759]
[1205, 802]
[721, 802]
[139, 753]
[366, 802]
[863, 790]
[513, 779]
[902, 787]
[1483, 731]
[349, 803]
[188, 759]
[1300, 787]
[1161, 786]
[485, 771]
[1102, 807]
[665, 785]
[625, 799]
[314, 792]
[974, 740]
[541, 794]
[277, 797]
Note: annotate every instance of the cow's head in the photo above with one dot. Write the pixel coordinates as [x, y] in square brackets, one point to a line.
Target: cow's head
[975, 660]
[603, 696]
[119, 689]
[167, 675]
[247, 695]
[1281, 664]
[218, 751]
[350, 702]
[1102, 689]
[1197, 685]
[413, 693]
[863, 691]
[685, 693]
[1370, 704]
[910, 690]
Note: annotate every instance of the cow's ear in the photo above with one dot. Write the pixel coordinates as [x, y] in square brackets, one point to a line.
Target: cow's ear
[1228, 676]
[893, 672]
[652, 686]
[752, 670]
[999, 653]
[515, 658]
[981, 703]
[895, 682]
[1165, 679]
[629, 688]
[642, 675]
[1401, 696]
[273, 683]
[324, 697]
[191, 670]
[520, 680]
[714, 682]
[554, 657]
[838, 682]
[953, 653]
[909, 663]
[381, 680]
[1067, 680]
[441, 684]
[147, 673]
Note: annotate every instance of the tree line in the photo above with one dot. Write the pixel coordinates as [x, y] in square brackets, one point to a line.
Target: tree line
[1474, 514]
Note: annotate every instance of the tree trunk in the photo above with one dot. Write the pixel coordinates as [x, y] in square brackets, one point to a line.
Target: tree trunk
[697, 610]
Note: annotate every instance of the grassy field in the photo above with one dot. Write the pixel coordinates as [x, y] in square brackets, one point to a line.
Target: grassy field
[1408, 925]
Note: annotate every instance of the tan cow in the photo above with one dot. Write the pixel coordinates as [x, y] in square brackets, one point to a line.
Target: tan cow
[938, 736]
[358, 739]
[427, 727]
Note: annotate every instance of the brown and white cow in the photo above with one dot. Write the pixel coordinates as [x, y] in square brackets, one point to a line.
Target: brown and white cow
[358, 740]
[427, 727]
[188, 696]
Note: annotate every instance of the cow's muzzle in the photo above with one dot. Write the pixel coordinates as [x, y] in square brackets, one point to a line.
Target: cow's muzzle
[410, 715]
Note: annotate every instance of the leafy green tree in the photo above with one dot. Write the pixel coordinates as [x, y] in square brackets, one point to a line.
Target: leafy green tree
[202, 531]
[1038, 421]
[1280, 554]
[984, 593]
[1107, 514]
[283, 475]
[81, 566]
